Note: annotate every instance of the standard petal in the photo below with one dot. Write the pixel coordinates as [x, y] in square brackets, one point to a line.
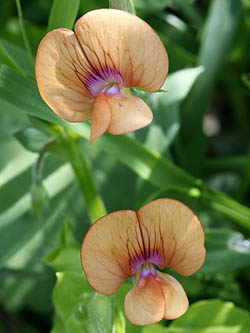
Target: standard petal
[101, 118]
[109, 249]
[61, 70]
[170, 227]
[145, 303]
[175, 296]
[128, 113]
[120, 41]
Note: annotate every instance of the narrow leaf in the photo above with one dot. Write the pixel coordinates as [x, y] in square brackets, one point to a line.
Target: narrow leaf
[63, 14]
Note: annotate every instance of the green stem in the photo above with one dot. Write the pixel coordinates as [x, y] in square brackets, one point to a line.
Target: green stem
[222, 164]
[227, 206]
[94, 203]
[25, 38]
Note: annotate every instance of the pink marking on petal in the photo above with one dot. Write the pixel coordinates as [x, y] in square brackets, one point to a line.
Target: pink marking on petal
[153, 258]
[145, 272]
[100, 79]
[113, 90]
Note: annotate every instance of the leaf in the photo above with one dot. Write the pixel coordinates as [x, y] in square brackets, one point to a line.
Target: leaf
[63, 14]
[223, 255]
[71, 296]
[217, 37]
[127, 5]
[157, 328]
[32, 139]
[210, 317]
[167, 117]
[17, 217]
[39, 199]
[100, 313]
[66, 257]
[246, 80]
[15, 57]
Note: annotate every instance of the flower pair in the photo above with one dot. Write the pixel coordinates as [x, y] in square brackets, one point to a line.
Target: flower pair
[87, 74]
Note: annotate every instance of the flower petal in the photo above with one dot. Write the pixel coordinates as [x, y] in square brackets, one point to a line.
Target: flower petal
[145, 303]
[118, 40]
[61, 68]
[175, 296]
[109, 249]
[101, 118]
[128, 113]
[172, 228]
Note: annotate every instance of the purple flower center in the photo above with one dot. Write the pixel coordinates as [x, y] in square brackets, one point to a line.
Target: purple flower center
[153, 258]
[107, 80]
[148, 269]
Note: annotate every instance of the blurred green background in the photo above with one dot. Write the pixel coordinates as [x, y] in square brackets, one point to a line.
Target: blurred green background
[201, 124]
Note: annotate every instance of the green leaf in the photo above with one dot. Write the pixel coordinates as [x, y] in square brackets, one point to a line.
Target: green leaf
[71, 296]
[246, 79]
[100, 313]
[39, 199]
[219, 31]
[15, 57]
[63, 14]
[17, 217]
[210, 317]
[157, 328]
[58, 325]
[32, 139]
[126, 5]
[149, 5]
[119, 322]
[178, 85]
[223, 253]
[66, 257]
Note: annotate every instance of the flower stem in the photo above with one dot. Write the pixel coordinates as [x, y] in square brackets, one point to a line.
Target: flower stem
[227, 206]
[94, 203]
[25, 38]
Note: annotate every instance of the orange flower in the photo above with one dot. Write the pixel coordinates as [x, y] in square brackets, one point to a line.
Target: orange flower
[164, 232]
[87, 74]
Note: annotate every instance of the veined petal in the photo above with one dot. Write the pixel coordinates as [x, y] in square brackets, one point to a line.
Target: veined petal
[101, 118]
[121, 41]
[145, 303]
[175, 296]
[109, 249]
[173, 229]
[128, 113]
[61, 69]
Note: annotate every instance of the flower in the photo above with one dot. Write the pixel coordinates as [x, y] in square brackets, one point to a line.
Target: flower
[87, 74]
[122, 244]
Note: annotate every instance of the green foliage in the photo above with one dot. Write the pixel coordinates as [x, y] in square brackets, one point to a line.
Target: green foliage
[223, 254]
[58, 19]
[212, 316]
[47, 217]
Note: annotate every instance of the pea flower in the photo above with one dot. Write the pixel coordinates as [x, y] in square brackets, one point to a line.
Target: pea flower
[123, 244]
[87, 74]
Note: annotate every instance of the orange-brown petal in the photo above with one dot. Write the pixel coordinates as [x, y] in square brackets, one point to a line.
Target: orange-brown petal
[123, 42]
[170, 227]
[175, 296]
[128, 113]
[101, 117]
[61, 69]
[145, 303]
[109, 248]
